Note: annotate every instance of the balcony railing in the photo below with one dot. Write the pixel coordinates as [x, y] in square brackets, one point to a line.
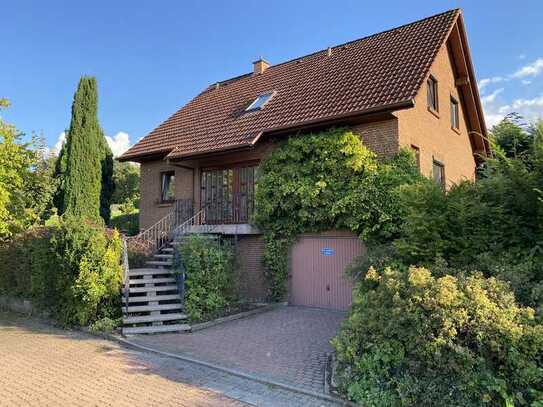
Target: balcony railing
[236, 208]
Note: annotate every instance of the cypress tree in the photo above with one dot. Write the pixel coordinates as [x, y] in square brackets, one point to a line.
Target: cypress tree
[85, 163]
[106, 193]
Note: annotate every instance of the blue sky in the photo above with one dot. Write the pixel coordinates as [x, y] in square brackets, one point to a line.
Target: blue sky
[151, 57]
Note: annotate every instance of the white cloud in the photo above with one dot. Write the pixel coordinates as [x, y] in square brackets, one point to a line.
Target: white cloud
[532, 69]
[487, 81]
[492, 97]
[536, 103]
[530, 109]
[61, 139]
[492, 119]
[119, 143]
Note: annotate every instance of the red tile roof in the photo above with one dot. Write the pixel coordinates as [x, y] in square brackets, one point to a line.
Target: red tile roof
[378, 71]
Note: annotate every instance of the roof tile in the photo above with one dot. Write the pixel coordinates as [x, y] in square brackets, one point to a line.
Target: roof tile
[372, 72]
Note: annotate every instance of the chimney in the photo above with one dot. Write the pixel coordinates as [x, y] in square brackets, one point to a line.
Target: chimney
[260, 66]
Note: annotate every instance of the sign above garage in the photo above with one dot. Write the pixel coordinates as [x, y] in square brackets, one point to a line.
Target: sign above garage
[327, 251]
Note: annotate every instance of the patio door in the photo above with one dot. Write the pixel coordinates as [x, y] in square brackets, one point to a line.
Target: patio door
[227, 194]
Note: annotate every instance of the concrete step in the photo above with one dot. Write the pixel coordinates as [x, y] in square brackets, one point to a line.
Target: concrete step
[145, 298]
[159, 263]
[152, 280]
[167, 249]
[156, 329]
[147, 272]
[154, 318]
[163, 256]
[160, 307]
[151, 289]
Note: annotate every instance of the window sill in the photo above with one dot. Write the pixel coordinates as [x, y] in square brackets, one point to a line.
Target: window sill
[434, 112]
[164, 204]
[457, 131]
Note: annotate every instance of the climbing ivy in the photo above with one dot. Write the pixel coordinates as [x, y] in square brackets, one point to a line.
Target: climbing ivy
[323, 181]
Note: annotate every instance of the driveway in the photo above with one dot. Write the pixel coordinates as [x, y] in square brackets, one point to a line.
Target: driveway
[45, 366]
[287, 345]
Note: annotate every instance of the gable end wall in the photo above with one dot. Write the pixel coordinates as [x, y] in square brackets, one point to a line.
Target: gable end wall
[432, 133]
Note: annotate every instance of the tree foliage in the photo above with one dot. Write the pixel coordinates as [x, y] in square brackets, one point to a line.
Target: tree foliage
[126, 177]
[510, 136]
[26, 182]
[85, 163]
[453, 332]
[324, 181]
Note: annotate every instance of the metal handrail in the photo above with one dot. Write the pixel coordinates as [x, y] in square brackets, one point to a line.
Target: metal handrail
[196, 220]
[126, 276]
[158, 234]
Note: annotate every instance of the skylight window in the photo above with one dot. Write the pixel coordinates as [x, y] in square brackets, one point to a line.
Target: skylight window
[260, 101]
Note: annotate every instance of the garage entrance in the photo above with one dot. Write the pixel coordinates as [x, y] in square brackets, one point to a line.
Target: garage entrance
[318, 264]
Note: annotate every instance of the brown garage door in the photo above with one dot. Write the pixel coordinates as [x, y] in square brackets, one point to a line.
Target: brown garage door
[318, 271]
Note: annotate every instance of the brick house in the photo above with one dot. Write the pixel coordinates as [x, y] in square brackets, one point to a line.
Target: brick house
[413, 86]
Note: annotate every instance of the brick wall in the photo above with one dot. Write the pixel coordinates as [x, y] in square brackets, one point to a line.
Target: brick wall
[151, 209]
[252, 282]
[381, 137]
[432, 133]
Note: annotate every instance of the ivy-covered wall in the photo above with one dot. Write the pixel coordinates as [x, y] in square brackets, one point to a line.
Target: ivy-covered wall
[321, 181]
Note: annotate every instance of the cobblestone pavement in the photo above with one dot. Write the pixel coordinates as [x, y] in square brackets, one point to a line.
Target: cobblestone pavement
[287, 345]
[44, 366]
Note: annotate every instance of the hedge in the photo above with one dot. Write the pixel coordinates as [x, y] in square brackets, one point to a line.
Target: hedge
[72, 269]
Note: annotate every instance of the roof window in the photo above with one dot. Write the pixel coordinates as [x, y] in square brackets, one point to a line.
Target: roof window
[260, 101]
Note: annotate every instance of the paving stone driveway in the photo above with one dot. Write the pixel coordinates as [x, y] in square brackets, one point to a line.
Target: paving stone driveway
[45, 366]
[287, 345]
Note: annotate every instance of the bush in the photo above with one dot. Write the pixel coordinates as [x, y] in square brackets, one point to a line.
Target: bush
[139, 252]
[209, 268]
[523, 271]
[105, 325]
[16, 261]
[127, 223]
[414, 339]
[72, 269]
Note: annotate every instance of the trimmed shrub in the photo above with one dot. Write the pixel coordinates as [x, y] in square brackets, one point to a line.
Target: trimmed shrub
[72, 269]
[209, 268]
[414, 339]
[16, 261]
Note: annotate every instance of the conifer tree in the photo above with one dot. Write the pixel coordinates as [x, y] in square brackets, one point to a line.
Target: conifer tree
[85, 162]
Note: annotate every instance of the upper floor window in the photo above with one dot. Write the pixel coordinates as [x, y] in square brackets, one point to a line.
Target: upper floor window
[167, 182]
[416, 153]
[455, 117]
[432, 94]
[438, 171]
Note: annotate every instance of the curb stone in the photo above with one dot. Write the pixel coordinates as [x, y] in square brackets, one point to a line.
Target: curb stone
[253, 377]
[208, 324]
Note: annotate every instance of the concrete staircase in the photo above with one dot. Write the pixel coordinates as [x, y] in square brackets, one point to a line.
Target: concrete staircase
[154, 301]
